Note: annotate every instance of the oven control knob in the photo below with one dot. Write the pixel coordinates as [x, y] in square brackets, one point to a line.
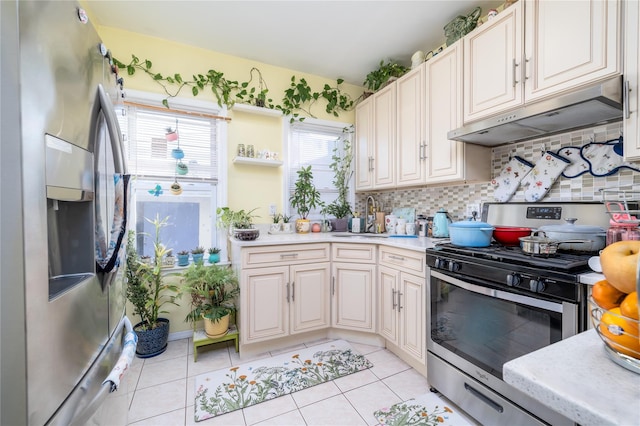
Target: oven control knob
[513, 280]
[454, 266]
[536, 285]
[440, 263]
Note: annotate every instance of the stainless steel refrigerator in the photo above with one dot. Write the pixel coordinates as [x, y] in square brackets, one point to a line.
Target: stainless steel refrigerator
[63, 211]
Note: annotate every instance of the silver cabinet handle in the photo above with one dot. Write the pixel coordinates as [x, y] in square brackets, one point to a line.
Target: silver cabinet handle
[625, 99]
[284, 256]
[287, 292]
[333, 286]
[391, 256]
[525, 77]
[399, 296]
[293, 291]
[514, 73]
[393, 298]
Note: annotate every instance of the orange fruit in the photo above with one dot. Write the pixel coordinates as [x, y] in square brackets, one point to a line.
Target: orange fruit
[629, 306]
[621, 333]
[606, 295]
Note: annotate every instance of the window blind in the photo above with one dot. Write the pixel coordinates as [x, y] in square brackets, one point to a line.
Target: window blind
[149, 154]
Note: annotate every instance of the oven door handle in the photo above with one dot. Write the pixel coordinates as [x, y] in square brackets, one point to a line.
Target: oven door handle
[499, 294]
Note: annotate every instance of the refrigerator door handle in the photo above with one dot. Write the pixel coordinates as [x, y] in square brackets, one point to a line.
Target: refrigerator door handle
[114, 130]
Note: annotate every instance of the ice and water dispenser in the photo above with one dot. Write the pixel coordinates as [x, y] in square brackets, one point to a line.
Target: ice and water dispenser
[70, 215]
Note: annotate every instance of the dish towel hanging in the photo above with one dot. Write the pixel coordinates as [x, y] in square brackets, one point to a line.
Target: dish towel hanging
[506, 183]
[543, 175]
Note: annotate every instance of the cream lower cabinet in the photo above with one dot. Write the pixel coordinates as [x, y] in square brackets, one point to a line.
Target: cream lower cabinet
[402, 313]
[288, 298]
[353, 289]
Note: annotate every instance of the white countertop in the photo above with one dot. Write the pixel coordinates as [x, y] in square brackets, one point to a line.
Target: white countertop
[266, 239]
[576, 378]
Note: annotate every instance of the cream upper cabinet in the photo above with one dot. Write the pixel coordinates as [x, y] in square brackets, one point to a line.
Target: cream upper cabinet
[364, 145]
[448, 160]
[353, 287]
[632, 81]
[376, 140]
[539, 48]
[411, 154]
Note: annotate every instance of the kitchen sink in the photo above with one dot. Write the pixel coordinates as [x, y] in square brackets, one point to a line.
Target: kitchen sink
[364, 235]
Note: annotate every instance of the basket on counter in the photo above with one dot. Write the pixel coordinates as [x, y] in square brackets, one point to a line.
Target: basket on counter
[620, 335]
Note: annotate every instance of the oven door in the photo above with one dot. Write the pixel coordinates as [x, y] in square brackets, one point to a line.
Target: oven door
[474, 330]
[488, 327]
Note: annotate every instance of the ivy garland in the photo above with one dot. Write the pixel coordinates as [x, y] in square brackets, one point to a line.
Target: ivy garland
[297, 99]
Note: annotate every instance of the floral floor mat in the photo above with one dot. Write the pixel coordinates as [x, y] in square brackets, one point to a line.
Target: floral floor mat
[226, 390]
[425, 410]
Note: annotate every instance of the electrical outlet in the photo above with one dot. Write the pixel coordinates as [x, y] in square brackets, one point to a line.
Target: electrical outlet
[473, 207]
[272, 210]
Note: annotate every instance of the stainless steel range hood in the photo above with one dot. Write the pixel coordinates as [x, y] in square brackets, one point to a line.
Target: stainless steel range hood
[590, 106]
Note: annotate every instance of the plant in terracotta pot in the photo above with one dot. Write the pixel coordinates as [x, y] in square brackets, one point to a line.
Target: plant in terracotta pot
[305, 197]
[213, 290]
[148, 292]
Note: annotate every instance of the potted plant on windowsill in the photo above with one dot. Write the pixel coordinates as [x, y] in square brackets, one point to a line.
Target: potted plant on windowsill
[342, 166]
[214, 255]
[198, 254]
[213, 290]
[183, 258]
[148, 292]
[305, 197]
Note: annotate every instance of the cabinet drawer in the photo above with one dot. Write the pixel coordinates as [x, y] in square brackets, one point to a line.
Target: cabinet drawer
[361, 253]
[284, 255]
[405, 260]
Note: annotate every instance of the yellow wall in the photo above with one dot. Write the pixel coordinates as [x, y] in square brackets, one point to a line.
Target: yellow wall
[248, 187]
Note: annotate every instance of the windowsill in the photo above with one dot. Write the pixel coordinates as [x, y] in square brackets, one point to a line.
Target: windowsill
[177, 268]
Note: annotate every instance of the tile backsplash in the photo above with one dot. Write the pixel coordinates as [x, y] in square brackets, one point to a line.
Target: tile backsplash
[454, 198]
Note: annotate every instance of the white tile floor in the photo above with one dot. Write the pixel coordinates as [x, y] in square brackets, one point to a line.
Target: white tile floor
[162, 390]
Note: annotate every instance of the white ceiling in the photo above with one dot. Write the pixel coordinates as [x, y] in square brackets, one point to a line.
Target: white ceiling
[332, 39]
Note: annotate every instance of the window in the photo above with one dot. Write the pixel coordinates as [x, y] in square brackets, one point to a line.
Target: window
[149, 157]
[312, 142]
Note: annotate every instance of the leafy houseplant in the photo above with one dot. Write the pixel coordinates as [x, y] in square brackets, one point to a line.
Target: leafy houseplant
[213, 290]
[377, 78]
[305, 197]
[239, 224]
[149, 293]
[342, 166]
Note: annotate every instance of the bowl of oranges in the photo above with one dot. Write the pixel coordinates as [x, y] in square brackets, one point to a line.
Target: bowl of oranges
[613, 304]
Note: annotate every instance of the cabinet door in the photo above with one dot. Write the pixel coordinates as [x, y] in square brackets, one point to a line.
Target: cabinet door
[632, 81]
[569, 44]
[388, 306]
[364, 141]
[384, 142]
[412, 315]
[443, 112]
[265, 311]
[353, 296]
[310, 301]
[410, 129]
[492, 65]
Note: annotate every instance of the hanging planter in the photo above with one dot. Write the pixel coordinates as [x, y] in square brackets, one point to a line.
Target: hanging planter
[177, 153]
[181, 168]
[171, 135]
[176, 189]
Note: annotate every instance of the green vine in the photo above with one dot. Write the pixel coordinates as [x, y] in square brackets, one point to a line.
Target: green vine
[297, 100]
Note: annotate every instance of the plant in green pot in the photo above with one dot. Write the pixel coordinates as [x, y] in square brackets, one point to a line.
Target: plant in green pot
[305, 197]
[213, 290]
[148, 292]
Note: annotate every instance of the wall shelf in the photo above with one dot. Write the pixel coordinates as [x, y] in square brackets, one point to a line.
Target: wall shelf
[257, 162]
[256, 110]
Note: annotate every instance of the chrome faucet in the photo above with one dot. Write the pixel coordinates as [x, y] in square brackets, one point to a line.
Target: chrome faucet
[370, 214]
